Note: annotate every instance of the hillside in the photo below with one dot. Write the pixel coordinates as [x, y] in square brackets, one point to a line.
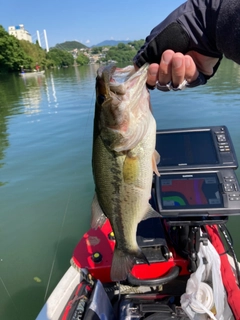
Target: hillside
[70, 45]
[111, 43]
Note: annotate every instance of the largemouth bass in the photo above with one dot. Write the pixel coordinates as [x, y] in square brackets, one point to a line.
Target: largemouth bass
[124, 159]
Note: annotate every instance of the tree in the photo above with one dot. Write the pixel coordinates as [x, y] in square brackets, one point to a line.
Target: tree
[121, 53]
[137, 44]
[37, 54]
[82, 59]
[12, 56]
[96, 50]
[60, 58]
[15, 53]
[121, 46]
[70, 45]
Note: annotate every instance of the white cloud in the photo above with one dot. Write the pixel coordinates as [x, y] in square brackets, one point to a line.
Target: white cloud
[87, 41]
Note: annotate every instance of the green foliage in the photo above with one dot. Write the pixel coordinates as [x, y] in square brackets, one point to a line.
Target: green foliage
[15, 53]
[96, 50]
[60, 58]
[137, 44]
[122, 52]
[37, 54]
[82, 59]
[12, 55]
[69, 45]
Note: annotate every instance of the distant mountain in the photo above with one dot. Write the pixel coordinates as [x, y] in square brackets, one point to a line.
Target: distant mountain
[70, 45]
[111, 43]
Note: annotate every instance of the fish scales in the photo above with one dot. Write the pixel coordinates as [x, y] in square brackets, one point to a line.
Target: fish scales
[123, 160]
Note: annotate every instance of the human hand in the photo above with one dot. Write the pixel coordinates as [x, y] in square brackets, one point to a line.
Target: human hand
[175, 67]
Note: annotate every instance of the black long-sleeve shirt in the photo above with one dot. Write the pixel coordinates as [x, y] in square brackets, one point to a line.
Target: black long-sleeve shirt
[210, 27]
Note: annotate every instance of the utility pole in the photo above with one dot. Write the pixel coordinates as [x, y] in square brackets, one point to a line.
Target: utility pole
[46, 41]
[39, 40]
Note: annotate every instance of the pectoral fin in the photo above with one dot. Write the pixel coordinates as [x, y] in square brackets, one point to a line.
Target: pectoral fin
[98, 217]
[131, 169]
[155, 161]
[151, 213]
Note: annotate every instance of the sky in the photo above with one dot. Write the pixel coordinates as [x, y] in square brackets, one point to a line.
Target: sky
[87, 21]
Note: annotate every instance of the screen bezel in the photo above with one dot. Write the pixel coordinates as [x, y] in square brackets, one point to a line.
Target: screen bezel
[224, 210]
[226, 160]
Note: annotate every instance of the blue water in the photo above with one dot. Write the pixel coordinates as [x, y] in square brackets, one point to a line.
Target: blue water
[46, 184]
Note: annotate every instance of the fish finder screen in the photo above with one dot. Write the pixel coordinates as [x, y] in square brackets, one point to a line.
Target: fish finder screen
[190, 191]
[187, 148]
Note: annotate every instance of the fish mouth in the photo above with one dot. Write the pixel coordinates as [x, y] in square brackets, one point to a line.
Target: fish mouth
[119, 93]
[109, 96]
[111, 84]
[104, 76]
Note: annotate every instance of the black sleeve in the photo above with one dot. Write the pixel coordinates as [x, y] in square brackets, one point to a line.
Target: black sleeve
[192, 26]
[228, 29]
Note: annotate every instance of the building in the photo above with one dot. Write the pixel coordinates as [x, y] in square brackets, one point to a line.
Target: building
[20, 33]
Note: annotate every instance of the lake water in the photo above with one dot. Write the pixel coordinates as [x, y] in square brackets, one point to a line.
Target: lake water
[46, 184]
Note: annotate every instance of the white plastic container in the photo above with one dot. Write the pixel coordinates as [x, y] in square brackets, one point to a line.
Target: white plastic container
[203, 298]
[201, 301]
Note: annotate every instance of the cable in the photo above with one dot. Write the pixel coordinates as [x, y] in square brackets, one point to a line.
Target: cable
[229, 242]
[55, 255]
[8, 293]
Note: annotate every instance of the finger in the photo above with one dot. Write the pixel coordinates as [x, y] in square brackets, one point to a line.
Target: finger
[204, 64]
[152, 74]
[164, 73]
[178, 69]
[191, 72]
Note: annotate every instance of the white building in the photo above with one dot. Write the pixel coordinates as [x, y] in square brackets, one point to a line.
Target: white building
[20, 33]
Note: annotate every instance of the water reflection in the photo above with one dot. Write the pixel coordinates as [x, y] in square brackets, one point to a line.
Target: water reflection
[31, 101]
[51, 93]
[31, 97]
[10, 93]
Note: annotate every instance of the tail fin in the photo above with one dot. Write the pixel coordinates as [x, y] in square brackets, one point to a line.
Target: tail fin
[122, 263]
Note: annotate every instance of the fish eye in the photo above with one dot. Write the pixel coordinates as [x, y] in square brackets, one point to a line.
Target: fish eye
[101, 99]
